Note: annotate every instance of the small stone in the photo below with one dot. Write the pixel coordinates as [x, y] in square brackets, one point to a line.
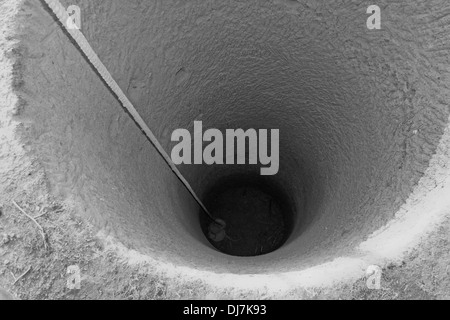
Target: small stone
[217, 237]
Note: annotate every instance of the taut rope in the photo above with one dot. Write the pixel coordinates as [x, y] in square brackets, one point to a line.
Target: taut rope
[82, 42]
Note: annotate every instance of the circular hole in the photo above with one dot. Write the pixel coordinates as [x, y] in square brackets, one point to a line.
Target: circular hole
[252, 216]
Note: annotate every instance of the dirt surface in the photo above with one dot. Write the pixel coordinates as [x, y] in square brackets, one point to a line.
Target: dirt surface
[70, 242]
[425, 274]
[34, 261]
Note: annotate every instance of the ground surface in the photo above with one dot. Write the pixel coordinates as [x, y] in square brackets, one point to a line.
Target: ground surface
[70, 242]
[425, 274]
[29, 270]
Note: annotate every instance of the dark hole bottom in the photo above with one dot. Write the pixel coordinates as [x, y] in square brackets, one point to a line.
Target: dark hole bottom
[257, 217]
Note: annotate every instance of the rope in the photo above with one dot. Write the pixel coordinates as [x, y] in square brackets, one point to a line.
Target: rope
[82, 42]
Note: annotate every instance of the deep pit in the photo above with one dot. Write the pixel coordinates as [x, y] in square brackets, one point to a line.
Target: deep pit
[257, 216]
[360, 114]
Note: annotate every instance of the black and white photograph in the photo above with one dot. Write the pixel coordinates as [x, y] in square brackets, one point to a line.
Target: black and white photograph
[224, 159]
